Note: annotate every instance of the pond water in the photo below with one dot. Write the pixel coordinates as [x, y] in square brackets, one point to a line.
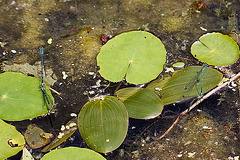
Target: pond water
[76, 27]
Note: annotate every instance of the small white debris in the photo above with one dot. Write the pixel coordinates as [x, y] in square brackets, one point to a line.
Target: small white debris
[50, 40]
[204, 29]
[230, 158]
[169, 69]
[91, 92]
[107, 140]
[46, 19]
[64, 75]
[199, 110]
[72, 124]
[98, 83]
[91, 73]
[158, 89]
[205, 127]
[13, 51]
[67, 127]
[155, 133]
[197, 11]
[12, 3]
[233, 84]
[101, 97]
[60, 135]
[190, 155]
[62, 128]
[179, 155]
[73, 115]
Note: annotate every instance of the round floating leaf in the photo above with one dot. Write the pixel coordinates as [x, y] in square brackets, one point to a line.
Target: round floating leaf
[141, 103]
[73, 153]
[21, 97]
[215, 49]
[138, 55]
[103, 124]
[11, 141]
[186, 84]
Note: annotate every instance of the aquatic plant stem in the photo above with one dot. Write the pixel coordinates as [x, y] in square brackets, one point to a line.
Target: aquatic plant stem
[199, 101]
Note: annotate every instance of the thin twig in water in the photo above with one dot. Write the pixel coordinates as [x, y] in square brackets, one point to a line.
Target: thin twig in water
[199, 101]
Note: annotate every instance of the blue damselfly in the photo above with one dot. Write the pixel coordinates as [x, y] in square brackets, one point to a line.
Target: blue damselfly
[46, 97]
[195, 79]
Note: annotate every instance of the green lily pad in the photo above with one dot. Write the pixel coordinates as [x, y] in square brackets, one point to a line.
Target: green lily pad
[73, 153]
[216, 49]
[141, 103]
[11, 141]
[138, 56]
[158, 84]
[176, 88]
[21, 97]
[103, 124]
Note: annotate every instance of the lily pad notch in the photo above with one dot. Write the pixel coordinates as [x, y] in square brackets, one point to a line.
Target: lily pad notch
[137, 56]
[216, 49]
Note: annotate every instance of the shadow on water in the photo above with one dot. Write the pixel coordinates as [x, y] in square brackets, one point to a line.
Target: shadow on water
[76, 27]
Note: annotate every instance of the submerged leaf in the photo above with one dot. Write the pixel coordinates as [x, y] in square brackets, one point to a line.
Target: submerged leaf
[141, 103]
[158, 84]
[175, 89]
[103, 124]
[33, 137]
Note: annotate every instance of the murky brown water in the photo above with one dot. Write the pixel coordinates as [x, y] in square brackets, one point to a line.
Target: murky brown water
[76, 27]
